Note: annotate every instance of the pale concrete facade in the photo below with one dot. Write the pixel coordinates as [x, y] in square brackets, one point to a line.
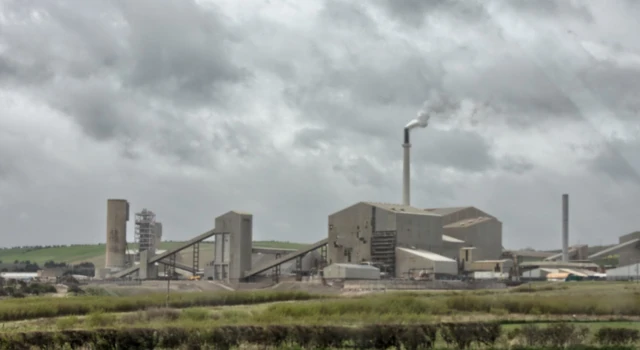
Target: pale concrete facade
[630, 254]
[233, 255]
[117, 217]
[483, 233]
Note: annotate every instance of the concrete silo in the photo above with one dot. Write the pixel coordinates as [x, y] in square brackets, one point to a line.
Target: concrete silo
[117, 217]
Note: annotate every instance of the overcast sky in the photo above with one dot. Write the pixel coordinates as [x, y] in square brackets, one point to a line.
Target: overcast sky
[293, 110]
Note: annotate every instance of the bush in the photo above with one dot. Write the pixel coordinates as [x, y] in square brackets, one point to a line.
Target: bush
[64, 323]
[528, 288]
[75, 289]
[617, 336]
[380, 336]
[409, 337]
[195, 314]
[462, 335]
[100, 319]
[557, 335]
[39, 288]
[150, 315]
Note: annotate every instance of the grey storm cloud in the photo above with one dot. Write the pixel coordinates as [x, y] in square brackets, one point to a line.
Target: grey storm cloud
[199, 107]
[106, 72]
[619, 161]
[462, 150]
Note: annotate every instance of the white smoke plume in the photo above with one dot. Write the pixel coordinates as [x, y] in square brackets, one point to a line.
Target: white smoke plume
[435, 106]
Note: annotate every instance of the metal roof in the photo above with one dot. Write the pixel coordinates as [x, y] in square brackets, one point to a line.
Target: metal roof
[614, 249]
[450, 239]
[10, 275]
[400, 208]
[355, 266]
[446, 211]
[426, 254]
[468, 222]
[492, 261]
[529, 253]
[579, 272]
[558, 264]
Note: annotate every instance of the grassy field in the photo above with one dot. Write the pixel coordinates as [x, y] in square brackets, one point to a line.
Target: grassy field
[586, 310]
[95, 252]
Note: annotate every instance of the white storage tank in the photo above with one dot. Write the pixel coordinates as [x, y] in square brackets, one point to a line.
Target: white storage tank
[351, 272]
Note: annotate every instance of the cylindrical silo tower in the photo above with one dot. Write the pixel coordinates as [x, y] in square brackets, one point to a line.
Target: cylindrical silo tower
[158, 232]
[117, 217]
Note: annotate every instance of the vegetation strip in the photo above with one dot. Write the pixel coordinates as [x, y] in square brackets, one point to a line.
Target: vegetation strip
[457, 335]
[23, 309]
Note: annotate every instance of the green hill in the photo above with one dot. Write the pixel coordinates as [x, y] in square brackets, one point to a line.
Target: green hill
[95, 252]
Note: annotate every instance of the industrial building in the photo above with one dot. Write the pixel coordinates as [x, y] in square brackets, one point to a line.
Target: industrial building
[399, 241]
[402, 239]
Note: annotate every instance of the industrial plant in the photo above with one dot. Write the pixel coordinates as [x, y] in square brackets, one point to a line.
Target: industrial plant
[365, 241]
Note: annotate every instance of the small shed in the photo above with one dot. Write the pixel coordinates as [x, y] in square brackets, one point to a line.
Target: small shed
[351, 272]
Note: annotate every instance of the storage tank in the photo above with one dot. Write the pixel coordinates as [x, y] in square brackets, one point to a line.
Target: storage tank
[117, 217]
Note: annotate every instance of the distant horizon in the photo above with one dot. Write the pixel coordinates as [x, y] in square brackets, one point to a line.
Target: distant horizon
[277, 241]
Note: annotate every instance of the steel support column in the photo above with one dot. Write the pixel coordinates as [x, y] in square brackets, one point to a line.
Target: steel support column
[196, 258]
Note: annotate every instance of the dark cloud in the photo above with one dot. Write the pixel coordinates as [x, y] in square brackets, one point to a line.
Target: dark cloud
[178, 50]
[314, 138]
[413, 12]
[516, 165]
[106, 72]
[615, 86]
[462, 150]
[619, 161]
[552, 8]
[360, 172]
[348, 15]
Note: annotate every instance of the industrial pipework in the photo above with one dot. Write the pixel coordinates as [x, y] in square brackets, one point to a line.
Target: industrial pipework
[565, 228]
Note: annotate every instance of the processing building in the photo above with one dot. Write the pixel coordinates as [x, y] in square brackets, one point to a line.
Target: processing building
[401, 239]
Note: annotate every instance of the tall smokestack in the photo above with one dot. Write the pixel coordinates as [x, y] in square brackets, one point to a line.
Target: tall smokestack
[406, 169]
[421, 122]
[565, 228]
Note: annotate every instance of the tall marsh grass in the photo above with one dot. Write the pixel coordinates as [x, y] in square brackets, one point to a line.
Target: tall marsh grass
[400, 306]
[12, 310]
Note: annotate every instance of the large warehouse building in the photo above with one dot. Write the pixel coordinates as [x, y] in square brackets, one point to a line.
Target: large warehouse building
[402, 239]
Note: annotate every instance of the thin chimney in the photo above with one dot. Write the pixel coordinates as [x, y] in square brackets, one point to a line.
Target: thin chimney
[565, 228]
[406, 170]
